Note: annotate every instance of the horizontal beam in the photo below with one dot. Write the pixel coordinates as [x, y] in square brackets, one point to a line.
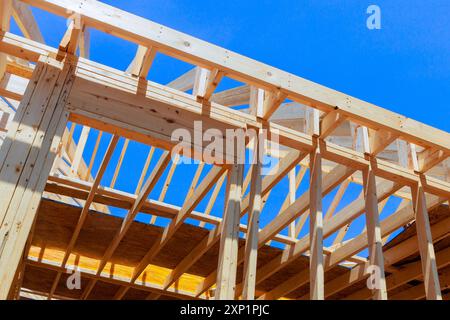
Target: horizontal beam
[92, 76]
[144, 32]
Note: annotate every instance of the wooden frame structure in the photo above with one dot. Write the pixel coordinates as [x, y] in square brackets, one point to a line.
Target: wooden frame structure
[339, 139]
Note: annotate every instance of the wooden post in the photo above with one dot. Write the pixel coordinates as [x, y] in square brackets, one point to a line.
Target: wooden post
[372, 144]
[375, 244]
[77, 158]
[316, 227]
[316, 269]
[228, 254]
[426, 248]
[251, 243]
[27, 158]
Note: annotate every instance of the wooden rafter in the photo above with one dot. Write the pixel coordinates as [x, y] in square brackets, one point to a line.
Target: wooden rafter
[87, 204]
[333, 179]
[425, 241]
[316, 227]
[5, 19]
[412, 271]
[75, 188]
[330, 151]
[71, 39]
[267, 184]
[129, 218]
[184, 82]
[229, 241]
[142, 62]
[47, 121]
[233, 97]
[92, 192]
[376, 259]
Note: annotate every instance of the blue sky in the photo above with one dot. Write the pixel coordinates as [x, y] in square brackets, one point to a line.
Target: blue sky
[404, 67]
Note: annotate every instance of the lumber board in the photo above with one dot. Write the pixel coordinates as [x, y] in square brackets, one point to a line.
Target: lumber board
[27, 158]
[145, 32]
